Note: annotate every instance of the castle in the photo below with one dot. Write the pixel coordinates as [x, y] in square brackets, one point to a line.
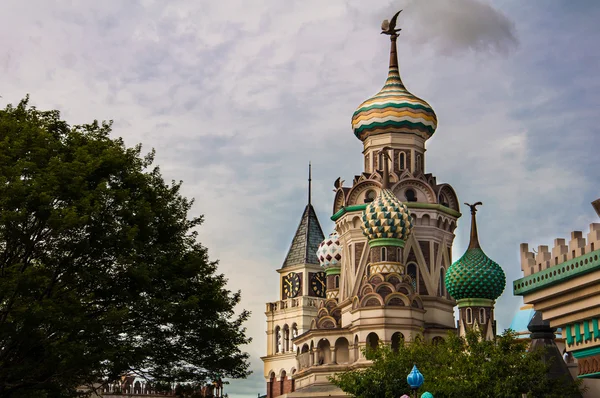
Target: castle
[386, 273]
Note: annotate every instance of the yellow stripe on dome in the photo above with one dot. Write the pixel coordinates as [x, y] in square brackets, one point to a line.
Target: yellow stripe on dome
[394, 118]
[386, 112]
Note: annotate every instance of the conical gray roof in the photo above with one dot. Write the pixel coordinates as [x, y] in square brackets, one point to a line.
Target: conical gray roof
[309, 235]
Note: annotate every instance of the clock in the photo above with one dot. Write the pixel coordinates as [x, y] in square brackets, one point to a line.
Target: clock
[291, 285]
[318, 284]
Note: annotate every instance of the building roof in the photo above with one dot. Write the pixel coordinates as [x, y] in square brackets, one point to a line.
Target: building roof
[309, 235]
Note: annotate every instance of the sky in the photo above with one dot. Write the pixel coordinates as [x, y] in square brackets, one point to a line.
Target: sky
[237, 97]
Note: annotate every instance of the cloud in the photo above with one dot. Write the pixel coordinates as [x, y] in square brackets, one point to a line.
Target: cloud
[238, 96]
[456, 26]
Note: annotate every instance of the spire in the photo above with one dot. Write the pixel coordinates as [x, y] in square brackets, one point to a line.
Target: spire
[308, 236]
[309, 182]
[389, 28]
[385, 157]
[474, 242]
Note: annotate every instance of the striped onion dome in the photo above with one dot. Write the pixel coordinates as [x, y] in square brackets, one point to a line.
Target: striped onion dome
[475, 275]
[394, 109]
[386, 217]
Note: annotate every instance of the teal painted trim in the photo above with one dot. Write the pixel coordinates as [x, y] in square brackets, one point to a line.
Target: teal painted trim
[347, 209]
[386, 242]
[557, 274]
[569, 335]
[475, 302]
[578, 336]
[443, 209]
[596, 330]
[410, 205]
[586, 352]
[586, 330]
[590, 376]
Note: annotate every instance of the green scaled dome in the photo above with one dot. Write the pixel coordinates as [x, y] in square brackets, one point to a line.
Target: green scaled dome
[475, 275]
[386, 217]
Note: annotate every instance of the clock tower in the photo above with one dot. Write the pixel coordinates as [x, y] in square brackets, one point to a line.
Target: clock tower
[302, 288]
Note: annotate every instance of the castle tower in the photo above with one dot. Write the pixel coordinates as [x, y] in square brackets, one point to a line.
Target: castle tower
[386, 262]
[300, 278]
[476, 281]
[393, 126]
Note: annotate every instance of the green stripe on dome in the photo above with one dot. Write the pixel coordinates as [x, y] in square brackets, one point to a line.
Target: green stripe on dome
[396, 105]
[386, 242]
[363, 131]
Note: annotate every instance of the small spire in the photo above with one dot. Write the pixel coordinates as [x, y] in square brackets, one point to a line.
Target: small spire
[389, 28]
[474, 242]
[385, 157]
[596, 205]
[309, 181]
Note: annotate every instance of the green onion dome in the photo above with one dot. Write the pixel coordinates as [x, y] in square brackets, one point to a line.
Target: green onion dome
[386, 217]
[394, 109]
[475, 275]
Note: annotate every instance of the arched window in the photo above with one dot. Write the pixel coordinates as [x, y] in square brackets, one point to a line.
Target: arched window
[481, 315]
[469, 316]
[442, 290]
[370, 196]
[398, 254]
[372, 340]
[383, 254]
[418, 163]
[397, 339]
[277, 339]
[402, 161]
[286, 338]
[410, 195]
[337, 281]
[412, 271]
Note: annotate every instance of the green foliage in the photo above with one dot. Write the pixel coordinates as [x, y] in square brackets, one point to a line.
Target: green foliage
[100, 270]
[457, 368]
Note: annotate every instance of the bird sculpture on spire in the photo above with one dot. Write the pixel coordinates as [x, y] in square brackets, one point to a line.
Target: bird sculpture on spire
[474, 207]
[389, 27]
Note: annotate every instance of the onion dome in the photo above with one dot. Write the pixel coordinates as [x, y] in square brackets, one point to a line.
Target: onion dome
[475, 275]
[386, 217]
[394, 109]
[329, 252]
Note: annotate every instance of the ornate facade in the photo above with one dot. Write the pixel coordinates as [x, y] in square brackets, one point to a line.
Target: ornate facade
[380, 276]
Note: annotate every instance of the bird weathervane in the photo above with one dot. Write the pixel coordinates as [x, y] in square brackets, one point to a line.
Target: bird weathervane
[474, 207]
[389, 27]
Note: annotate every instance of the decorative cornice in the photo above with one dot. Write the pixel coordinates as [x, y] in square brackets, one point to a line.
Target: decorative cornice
[475, 302]
[410, 205]
[378, 242]
[558, 273]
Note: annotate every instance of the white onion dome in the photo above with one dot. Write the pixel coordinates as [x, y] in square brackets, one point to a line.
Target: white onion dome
[329, 252]
[386, 217]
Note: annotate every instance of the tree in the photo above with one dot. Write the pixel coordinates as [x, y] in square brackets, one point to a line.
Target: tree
[457, 367]
[101, 273]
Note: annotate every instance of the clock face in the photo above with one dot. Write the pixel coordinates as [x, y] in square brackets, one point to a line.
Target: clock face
[291, 285]
[317, 284]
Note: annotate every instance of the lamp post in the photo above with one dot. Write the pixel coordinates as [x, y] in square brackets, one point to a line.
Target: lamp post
[415, 380]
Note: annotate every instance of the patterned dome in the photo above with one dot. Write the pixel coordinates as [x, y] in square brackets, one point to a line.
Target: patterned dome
[329, 252]
[475, 275]
[386, 217]
[394, 109]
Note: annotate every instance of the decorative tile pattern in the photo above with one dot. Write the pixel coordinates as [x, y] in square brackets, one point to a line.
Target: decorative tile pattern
[386, 217]
[475, 275]
[385, 268]
[329, 252]
[394, 109]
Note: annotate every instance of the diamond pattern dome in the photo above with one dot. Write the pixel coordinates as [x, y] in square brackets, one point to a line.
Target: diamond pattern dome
[386, 217]
[475, 275]
[329, 252]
